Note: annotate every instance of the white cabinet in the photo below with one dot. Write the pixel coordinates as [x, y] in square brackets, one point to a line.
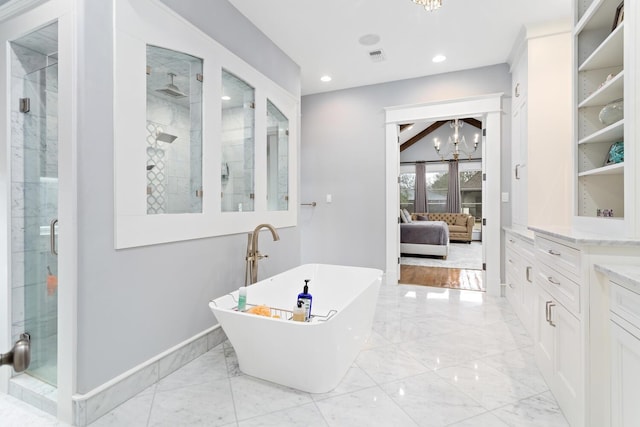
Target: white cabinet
[558, 326]
[605, 59]
[520, 290]
[625, 356]
[541, 174]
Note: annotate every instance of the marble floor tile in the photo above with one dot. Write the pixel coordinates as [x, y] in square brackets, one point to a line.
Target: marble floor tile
[436, 357]
[431, 401]
[133, 412]
[369, 407]
[256, 397]
[306, 415]
[16, 413]
[485, 420]
[485, 384]
[386, 364]
[520, 365]
[206, 404]
[355, 379]
[536, 411]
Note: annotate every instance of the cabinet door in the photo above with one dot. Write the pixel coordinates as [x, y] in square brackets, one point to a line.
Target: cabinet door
[513, 290]
[543, 335]
[568, 366]
[625, 377]
[528, 295]
[519, 163]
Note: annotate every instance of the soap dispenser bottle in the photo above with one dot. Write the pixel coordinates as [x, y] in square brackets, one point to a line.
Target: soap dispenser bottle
[306, 299]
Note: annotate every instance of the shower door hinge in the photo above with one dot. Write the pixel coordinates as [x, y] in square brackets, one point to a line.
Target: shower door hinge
[25, 105]
[286, 132]
[148, 69]
[199, 77]
[252, 105]
[199, 193]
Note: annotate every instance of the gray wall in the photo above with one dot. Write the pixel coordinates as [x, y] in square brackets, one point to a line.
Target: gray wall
[342, 154]
[136, 303]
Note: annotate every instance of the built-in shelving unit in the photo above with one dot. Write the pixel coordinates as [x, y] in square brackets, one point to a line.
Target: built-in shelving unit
[600, 80]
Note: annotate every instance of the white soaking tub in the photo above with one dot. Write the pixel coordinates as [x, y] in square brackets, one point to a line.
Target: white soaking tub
[310, 356]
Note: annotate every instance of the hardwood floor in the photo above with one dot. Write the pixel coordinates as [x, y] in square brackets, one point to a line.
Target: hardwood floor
[442, 277]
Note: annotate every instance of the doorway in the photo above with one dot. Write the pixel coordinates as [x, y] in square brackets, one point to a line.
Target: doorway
[489, 109]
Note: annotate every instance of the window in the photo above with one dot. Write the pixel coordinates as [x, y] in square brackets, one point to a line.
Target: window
[437, 180]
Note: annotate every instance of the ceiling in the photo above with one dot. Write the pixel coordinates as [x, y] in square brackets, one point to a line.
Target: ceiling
[323, 36]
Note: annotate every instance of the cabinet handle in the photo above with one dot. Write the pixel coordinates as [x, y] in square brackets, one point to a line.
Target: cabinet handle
[552, 280]
[52, 237]
[551, 321]
[552, 252]
[528, 274]
[517, 171]
[546, 311]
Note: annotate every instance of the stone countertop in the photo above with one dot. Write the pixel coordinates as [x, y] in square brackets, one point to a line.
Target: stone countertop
[624, 275]
[584, 238]
[522, 232]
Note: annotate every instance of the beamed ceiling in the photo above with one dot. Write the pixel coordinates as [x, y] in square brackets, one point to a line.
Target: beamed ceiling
[423, 134]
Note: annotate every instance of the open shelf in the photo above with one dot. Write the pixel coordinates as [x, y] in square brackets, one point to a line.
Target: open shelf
[611, 133]
[615, 169]
[610, 91]
[608, 54]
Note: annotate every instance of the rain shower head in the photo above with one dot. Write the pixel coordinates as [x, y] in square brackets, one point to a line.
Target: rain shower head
[171, 89]
[165, 137]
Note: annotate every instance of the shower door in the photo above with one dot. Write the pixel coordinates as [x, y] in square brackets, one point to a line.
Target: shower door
[34, 212]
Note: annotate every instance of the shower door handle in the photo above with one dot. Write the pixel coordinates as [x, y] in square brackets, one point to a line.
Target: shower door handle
[52, 236]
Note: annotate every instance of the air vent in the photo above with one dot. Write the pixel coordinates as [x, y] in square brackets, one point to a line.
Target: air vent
[377, 55]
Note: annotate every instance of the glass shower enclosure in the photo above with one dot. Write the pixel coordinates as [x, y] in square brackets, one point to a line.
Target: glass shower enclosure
[34, 195]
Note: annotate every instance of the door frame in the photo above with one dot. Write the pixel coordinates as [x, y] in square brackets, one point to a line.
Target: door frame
[489, 107]
[19, 19]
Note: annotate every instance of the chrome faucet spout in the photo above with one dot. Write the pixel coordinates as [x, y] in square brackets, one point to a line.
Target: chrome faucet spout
[253, 255]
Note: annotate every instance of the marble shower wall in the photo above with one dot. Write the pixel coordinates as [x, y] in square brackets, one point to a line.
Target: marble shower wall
[34, 193]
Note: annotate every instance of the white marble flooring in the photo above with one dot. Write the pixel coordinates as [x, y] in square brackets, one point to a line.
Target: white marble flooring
[437, 357]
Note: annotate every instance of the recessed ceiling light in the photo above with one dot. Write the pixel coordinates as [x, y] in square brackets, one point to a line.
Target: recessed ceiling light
[226, 97]
[325, 79]
[369, 39]
[439, 58]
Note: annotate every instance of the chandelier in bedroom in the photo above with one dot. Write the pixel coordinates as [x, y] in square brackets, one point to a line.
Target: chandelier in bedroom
[429, 5]
[456, 144]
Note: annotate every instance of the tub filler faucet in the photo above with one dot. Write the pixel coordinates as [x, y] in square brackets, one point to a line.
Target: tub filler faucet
[253, 255]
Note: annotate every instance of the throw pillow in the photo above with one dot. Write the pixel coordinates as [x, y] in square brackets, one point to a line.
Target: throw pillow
[403, 217]
[408, 215]
[422, 217]
[461, 220]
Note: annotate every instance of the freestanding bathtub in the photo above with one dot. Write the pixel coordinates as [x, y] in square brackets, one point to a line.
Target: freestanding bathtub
[310, 356]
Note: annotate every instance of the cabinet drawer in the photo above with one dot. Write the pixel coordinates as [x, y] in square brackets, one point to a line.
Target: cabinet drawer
[625, 304]
[563, 258]
[563, 289]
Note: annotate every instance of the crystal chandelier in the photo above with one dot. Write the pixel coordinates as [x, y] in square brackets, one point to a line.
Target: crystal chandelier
[429, 5]
[456, 143]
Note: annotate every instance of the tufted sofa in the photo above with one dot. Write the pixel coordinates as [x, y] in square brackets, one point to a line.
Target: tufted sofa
[460, 224]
